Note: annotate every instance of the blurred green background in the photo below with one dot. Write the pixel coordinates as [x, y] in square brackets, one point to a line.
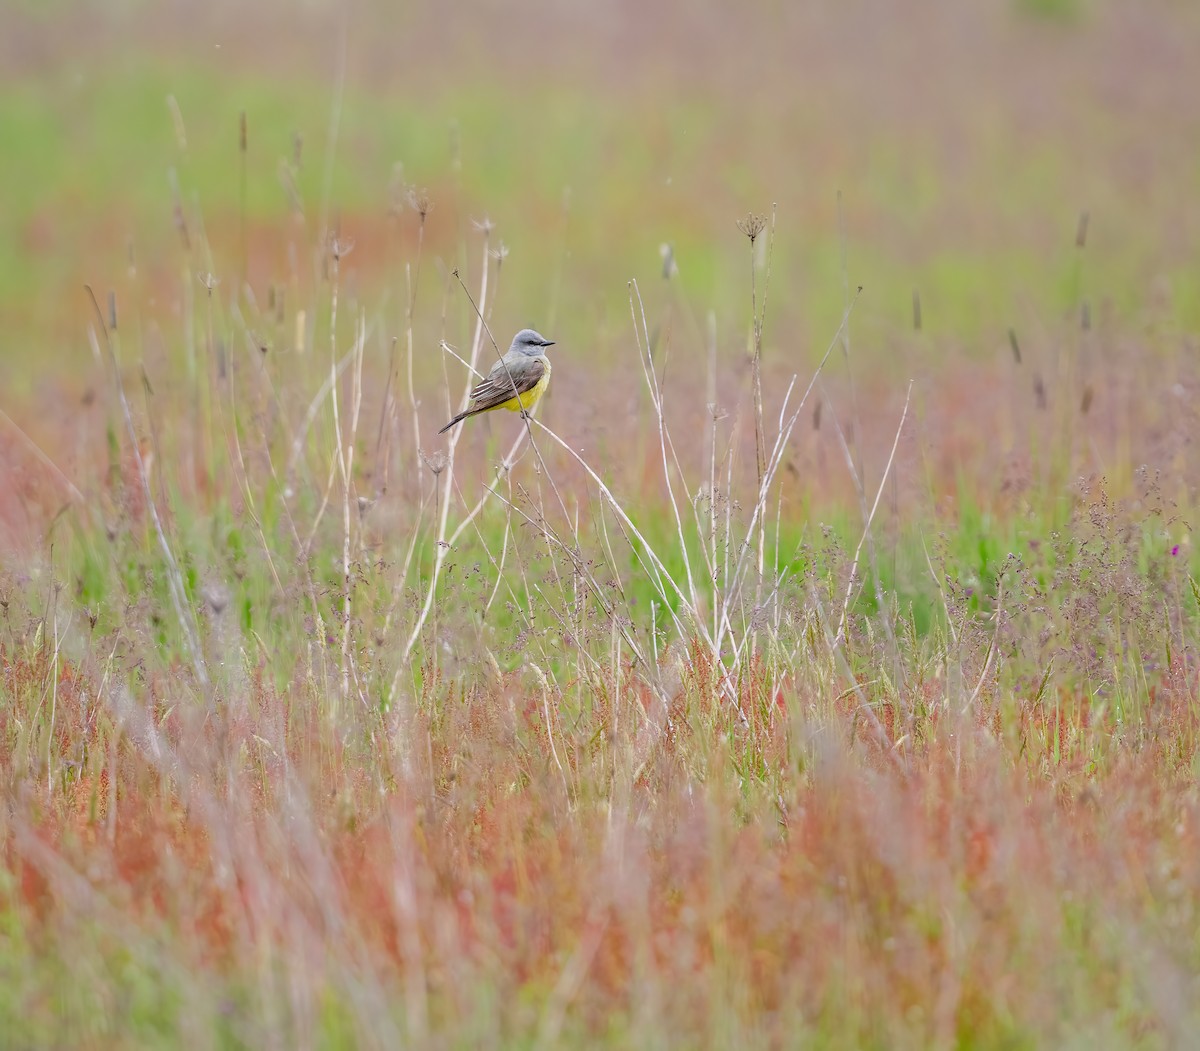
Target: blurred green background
[965, 143]
[948, 155]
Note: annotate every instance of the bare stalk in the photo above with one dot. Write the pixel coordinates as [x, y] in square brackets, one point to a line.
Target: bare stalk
[175, 586]
[870, 518]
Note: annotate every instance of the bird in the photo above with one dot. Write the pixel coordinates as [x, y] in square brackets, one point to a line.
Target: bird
[517, 381]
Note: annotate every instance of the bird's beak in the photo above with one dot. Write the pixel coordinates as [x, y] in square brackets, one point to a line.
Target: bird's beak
[547, 343]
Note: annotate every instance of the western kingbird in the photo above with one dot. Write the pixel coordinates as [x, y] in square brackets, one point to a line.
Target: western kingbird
[517, 381]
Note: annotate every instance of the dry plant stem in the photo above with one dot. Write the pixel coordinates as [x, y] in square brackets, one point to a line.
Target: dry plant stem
[941, 591]
[345, 461]
[207, 390]
[854, 454]
[870, 518]
[760, 430]
[991, 651]
[506, 466]
[656, 398]
[302, 548]
[326, 495]
[243, 478]
[522, 609]
[503, 549]
[314, 406]
[76, 496]
[764, 486]
[545, 685]
[572, 525]
[554, 541]
[183, 612]
[489, 491]
[656, 572]
[414, 281]
[838, 656]
[387, 416]
[53, 693]
[884, 608]
[499, 565]
[614, 646]
[732, 583]
[760, 438]
[460, 359]
[444, 511]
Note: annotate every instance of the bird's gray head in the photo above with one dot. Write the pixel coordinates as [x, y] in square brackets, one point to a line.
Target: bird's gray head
[529, 342]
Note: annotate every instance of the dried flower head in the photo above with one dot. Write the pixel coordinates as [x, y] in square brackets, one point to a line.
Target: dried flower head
[436, 463]
[752, 225]
[418, 201]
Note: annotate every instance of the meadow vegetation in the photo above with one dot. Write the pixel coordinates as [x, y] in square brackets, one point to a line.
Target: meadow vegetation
[820, 667]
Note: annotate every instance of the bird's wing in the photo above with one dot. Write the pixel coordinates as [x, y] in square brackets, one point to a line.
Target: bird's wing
[524, 371]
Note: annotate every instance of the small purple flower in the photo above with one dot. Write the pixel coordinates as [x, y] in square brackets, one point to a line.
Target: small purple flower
[1174, 550]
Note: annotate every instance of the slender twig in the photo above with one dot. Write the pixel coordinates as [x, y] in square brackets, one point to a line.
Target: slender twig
[871, 518]
[175, 586]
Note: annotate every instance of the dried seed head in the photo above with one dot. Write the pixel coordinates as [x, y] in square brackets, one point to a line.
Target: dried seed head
[752, 225]
[208, 280]
[436, 463]
[418, 201]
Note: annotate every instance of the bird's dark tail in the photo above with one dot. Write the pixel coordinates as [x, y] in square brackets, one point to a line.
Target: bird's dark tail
[457, 419]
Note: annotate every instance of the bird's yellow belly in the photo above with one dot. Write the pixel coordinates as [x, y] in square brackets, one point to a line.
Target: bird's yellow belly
[531, 397]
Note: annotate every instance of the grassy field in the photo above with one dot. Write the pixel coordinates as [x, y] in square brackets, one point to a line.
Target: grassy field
[819, 668]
